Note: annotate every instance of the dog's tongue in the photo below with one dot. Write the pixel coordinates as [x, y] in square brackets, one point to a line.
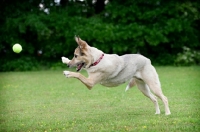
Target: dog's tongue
[79, 67]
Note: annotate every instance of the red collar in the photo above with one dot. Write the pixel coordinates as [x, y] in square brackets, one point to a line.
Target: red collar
[96, 62]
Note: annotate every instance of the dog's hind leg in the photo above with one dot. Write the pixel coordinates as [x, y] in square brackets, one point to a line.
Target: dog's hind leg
[130, 84]
[143, 87]
[152, 80]
[156, 89]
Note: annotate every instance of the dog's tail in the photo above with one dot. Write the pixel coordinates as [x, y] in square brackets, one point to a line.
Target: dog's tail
[130, 84]
[127, 88]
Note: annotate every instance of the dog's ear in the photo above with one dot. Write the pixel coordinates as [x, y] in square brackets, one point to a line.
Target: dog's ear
[77, 39]
[82, 44]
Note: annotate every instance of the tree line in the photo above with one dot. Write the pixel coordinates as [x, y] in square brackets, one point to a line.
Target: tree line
[165, 31]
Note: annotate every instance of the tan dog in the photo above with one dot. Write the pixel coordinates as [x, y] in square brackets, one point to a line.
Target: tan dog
[112, 70]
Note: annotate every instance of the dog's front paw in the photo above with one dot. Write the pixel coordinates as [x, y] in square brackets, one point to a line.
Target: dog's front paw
[66, 73]
[65, 60]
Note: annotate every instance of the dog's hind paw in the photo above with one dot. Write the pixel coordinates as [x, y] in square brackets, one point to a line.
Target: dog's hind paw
[65, 60]
[169, 113]
[157, 113]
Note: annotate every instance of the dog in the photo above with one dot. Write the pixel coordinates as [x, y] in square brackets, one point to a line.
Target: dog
[111, 70]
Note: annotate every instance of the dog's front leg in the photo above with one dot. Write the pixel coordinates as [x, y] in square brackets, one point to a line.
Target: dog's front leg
[65, 60]
[89, 83]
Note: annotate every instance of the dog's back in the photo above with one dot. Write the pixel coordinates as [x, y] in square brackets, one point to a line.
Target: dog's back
[125, 67]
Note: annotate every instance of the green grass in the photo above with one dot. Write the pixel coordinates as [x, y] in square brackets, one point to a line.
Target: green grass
[47, 101]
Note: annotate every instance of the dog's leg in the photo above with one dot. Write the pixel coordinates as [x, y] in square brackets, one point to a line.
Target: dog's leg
[152, 80]
[146, 91]
[65, 60]
[89, 82]
[154, 86]
[130, 84]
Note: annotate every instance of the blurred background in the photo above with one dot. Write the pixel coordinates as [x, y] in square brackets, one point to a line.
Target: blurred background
[166, 31]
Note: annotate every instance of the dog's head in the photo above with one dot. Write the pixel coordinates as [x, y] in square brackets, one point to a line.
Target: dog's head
[82, 57]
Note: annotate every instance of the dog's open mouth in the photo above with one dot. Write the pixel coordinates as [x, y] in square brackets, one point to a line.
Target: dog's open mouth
[80, 66]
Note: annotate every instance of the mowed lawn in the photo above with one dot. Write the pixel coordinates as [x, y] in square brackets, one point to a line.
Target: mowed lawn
[46, 101]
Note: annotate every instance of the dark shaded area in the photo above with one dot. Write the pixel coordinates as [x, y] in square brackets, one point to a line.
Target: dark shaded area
[167, 32]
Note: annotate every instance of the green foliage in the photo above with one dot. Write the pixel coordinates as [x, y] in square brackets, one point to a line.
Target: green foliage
[188, 57]
[20, 64]
[156, 29]
[156, 23]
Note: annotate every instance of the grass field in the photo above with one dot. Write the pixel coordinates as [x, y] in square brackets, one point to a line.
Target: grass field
[47, 101]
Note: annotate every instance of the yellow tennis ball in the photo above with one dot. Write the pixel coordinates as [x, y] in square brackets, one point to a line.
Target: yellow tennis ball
[17, 48]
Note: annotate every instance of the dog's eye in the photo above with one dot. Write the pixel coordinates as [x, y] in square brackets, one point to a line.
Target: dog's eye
[75, 56]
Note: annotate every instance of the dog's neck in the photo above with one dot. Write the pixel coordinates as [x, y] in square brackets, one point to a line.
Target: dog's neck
[97, 55]
[96, 62]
